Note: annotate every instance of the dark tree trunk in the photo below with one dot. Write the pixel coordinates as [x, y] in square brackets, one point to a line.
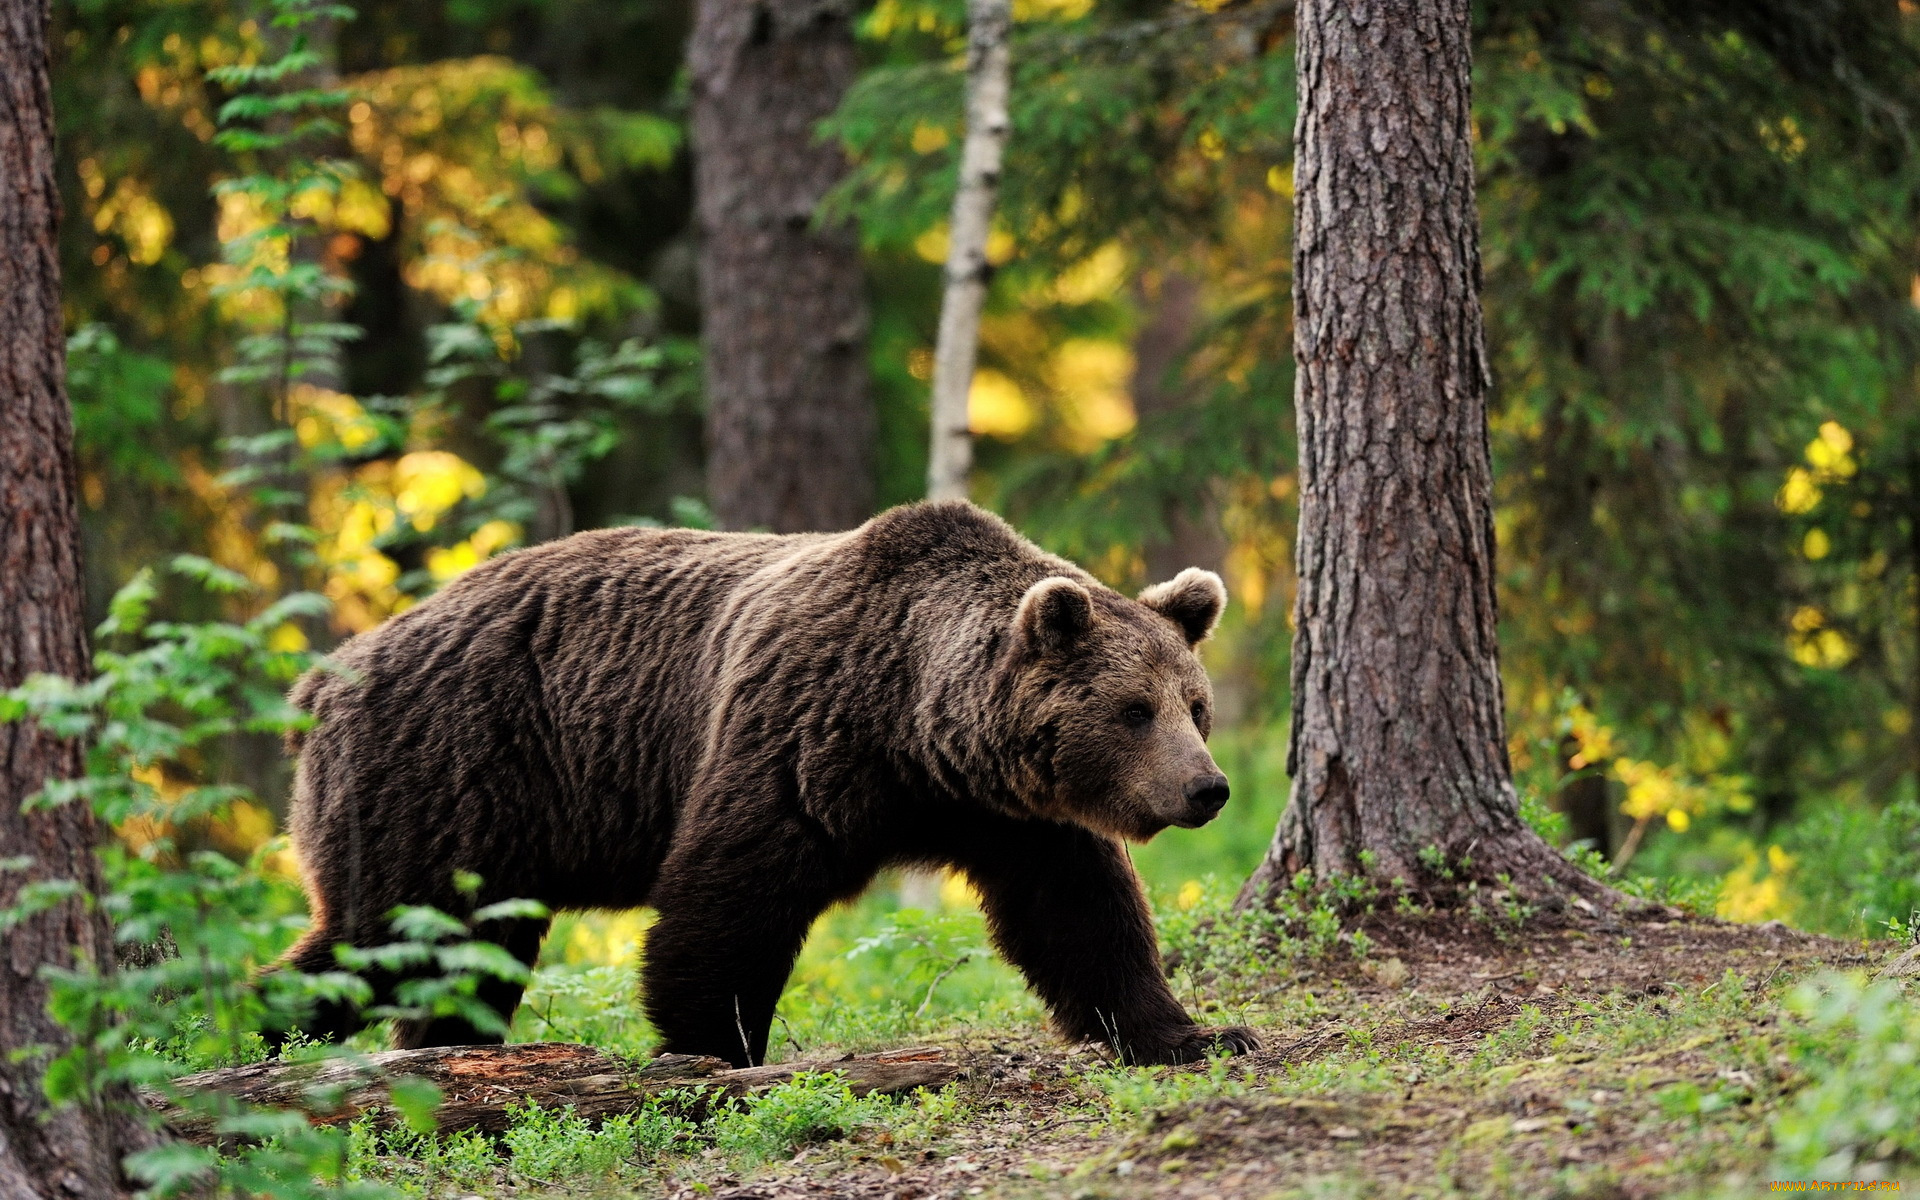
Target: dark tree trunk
[783, 301]
[1399, 738]
[1171, 303]
[1585, 800]
[74, 1150]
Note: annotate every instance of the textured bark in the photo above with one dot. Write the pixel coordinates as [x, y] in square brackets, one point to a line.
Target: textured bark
[73, 1150]
[1399, 738]
[477, 1083]
[789, 418]
[956, 349]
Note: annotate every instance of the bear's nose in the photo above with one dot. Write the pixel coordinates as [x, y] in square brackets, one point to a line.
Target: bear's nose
[1207, 795]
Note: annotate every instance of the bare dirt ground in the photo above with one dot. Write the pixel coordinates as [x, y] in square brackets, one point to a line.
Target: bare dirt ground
[1553, 1058]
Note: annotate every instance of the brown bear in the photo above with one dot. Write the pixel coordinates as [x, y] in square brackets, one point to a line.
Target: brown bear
[740, 730]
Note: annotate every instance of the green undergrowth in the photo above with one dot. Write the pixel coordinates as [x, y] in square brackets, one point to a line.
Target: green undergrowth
[675, 1136]
[1709, 1092]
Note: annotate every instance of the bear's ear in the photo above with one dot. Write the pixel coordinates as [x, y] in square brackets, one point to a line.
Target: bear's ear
[1054, 614]
[1193, 600]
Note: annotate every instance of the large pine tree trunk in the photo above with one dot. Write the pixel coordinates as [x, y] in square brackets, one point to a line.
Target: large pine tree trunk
[783, 301]
[74, 1150]
[1399, 738]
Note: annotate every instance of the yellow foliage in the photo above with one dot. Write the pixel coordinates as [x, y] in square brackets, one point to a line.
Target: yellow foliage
[1098, 276]
[932, 245]
[996, 406]
[455, 143]
[321, 416]
[1190, 894]
[606, 939]
[242, 829]
[1051, 10]
[1813, 644]
[1091, 377]
[287, 639]
[488, 540]
[142, 223]
[1670, 793]
[928, 138]
[1799, 494]
[1595, 741]
[1747, 895]
[956, 891]
[1816, 545]
[1830, 454]
[427, 483]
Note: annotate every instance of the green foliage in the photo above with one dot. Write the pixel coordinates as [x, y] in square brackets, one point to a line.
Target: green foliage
[1860, 1112]
[1139, 1094]
[1237, 953]
[805, 1109]
[874, 975]
[195, 923]
[925, 947]
[550, 426]
[557, 1144]
[418, 1163]
[1857, 871]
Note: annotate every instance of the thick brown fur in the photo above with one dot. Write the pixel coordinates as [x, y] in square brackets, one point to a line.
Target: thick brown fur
[740, 730]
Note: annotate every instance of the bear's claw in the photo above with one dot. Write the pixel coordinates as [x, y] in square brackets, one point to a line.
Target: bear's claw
[1201, 1041]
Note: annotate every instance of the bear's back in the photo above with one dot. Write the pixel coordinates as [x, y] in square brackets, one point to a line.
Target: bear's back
[544, 709]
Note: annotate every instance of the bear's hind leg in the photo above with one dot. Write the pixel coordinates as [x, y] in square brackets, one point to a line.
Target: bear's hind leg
[329, 1020]
[520, 938]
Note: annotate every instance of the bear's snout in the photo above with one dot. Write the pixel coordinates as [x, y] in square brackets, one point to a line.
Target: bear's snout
[1206, 795]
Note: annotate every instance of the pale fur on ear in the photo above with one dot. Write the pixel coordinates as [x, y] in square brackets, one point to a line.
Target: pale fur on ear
[1193, 600]
[1055, 613]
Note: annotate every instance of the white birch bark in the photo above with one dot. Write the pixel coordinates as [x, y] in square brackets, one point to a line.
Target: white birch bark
[988, 70]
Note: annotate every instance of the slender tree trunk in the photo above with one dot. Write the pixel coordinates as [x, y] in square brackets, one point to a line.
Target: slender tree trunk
[989, 70]
[74, 1150]
[1398, 749]
[789, 418]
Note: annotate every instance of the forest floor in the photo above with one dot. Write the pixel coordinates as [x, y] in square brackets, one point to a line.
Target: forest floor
[1581, 1056]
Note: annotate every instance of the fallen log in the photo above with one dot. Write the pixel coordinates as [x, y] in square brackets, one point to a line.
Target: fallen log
[477, 1083]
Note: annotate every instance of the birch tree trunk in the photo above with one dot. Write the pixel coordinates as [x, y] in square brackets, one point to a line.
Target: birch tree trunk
[73, 1150]
[989, 24]
[1398, 752]
[783, 301]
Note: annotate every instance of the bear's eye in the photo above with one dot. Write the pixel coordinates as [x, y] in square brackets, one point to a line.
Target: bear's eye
[1199, 713]
[1136, 714]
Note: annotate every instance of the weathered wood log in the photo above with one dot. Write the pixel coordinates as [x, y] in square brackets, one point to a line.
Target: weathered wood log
[477, 1083]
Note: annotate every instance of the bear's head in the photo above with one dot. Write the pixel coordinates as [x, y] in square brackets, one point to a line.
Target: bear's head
[1113, 705]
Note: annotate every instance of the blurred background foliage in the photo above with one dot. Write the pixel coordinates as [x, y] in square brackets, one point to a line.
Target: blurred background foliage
[474, 327]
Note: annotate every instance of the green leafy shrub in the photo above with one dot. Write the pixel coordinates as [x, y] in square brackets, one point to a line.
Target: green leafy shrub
[557, 1144]
[1860, 1114]
[1857, 871]
[807, 1108]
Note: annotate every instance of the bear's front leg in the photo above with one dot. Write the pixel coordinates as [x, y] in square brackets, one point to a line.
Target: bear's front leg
[735, 901]
[1065, 906]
